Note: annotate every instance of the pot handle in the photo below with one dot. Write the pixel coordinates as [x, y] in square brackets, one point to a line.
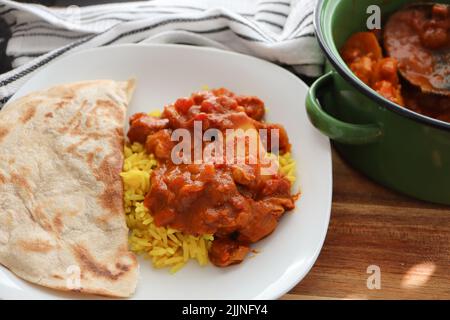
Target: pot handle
[333, 128]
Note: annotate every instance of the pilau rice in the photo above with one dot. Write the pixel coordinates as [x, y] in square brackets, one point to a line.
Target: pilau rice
[164, 246]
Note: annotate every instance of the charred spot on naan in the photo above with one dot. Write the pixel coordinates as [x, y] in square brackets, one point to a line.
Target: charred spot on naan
[37, 245]
[3, 133]
[68, 92]
[58, 224]
[61, 104]
[19, 180]
[89, 264]
[111, 198]
[110, 107]
[74, 123]
[117, 140]
[89, 122]
[122, 267]
[72, 149]
[106, 172]
[2, 179]
[90, 156]
[90, 159]
[29, 113]
[38, 215]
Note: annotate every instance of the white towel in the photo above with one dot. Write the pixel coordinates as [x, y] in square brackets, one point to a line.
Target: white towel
[279, 31]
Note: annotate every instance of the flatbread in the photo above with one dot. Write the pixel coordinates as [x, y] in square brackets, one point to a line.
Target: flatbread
[62, 220]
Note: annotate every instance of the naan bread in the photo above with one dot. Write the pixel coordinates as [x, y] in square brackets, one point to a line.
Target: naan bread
[61, 195]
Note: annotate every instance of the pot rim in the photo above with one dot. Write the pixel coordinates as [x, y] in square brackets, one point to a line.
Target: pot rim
[362, 87]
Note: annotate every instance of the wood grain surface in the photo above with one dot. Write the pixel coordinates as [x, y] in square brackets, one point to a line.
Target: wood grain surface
[407, 239]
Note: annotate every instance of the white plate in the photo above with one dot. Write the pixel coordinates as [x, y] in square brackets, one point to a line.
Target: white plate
[166, 72]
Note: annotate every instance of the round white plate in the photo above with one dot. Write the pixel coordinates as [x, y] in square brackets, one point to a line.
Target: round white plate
[166, 72]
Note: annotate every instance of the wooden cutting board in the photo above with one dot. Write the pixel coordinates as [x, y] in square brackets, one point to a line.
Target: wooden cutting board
[406, 240]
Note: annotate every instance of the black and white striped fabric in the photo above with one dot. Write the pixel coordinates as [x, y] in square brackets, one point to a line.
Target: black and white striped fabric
[280, 31]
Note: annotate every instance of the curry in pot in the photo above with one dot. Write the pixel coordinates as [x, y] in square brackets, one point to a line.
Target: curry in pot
[413, 70]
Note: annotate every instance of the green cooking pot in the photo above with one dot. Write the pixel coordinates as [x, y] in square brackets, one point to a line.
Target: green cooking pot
[394, 146]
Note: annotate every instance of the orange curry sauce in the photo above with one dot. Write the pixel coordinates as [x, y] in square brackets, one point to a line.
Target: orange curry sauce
[411, 36]
[235, 202]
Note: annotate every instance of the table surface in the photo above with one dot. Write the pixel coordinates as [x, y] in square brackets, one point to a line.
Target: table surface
[407, 239]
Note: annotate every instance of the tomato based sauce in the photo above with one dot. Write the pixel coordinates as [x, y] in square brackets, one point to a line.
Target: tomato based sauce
[418, 38]
[235, 202]
[417, 43]
[363, 54]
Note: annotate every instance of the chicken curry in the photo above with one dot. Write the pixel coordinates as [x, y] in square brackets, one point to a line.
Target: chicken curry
[235, 202]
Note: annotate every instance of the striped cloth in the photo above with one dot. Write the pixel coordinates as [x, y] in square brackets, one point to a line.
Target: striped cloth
[279, 31]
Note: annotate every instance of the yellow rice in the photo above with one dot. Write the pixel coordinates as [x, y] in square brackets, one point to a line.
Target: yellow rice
[165, 247]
